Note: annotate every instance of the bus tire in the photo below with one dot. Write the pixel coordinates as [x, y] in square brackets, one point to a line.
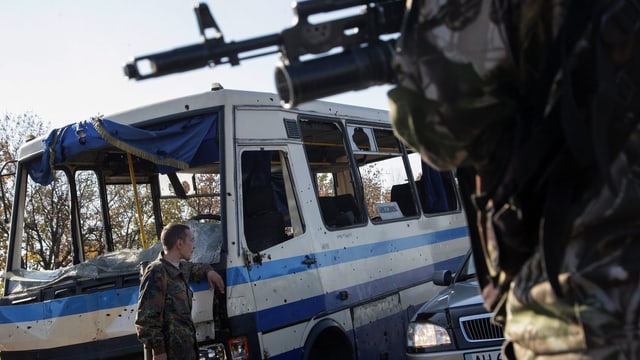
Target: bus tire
[327, 340]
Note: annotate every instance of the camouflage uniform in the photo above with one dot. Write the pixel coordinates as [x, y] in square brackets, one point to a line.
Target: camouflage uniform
[459, 117]
[163, 321]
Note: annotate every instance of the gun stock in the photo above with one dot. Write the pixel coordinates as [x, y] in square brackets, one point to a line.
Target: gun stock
[364, 59]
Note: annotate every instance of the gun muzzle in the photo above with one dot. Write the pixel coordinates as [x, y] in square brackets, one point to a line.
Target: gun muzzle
[353, 69]
[191, 57]
[169, 62]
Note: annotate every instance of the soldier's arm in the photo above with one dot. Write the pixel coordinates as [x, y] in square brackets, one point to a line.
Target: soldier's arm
[201, 272]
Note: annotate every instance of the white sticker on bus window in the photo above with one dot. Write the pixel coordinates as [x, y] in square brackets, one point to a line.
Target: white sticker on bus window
[388, 210]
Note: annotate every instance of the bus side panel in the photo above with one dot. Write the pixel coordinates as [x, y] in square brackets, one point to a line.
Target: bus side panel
[288, 342]
[380, 329]
[93, 325]
[352, 287]
[73, 320]
[351, 276]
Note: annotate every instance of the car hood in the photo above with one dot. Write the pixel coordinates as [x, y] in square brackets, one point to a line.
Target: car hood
[463, 293]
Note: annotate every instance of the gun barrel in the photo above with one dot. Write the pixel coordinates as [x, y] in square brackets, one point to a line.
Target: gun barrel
[306, 8]
[196, 56]
[354, 69]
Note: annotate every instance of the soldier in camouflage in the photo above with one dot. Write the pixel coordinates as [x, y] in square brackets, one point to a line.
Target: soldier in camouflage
[163, 321]
[535, 103]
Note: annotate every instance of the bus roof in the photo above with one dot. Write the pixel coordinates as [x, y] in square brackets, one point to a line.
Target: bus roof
[218, 97]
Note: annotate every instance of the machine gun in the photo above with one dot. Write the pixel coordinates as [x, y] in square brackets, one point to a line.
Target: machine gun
[363, 62]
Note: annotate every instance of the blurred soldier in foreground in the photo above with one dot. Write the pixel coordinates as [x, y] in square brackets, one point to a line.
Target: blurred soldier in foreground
[536, 103]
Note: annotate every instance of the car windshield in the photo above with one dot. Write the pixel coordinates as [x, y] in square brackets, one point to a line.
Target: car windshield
[468, 269]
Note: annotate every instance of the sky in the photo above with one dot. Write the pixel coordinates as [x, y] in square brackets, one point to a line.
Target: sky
[62, 59]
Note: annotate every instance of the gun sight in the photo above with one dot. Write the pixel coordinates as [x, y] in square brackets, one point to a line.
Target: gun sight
[355, 69]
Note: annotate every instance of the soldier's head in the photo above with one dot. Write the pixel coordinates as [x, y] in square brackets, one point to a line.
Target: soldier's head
[178, 237]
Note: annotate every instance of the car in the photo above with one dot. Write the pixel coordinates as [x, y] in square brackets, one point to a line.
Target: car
[454, 324]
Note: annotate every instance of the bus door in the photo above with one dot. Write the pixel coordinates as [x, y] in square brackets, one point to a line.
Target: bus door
[277, 248]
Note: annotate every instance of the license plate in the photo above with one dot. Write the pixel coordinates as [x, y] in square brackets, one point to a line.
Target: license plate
[485, 355]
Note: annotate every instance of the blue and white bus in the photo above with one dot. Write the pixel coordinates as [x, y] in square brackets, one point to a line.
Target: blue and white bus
[326, 229]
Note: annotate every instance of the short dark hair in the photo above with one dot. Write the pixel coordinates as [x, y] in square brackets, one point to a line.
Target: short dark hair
[171, 233]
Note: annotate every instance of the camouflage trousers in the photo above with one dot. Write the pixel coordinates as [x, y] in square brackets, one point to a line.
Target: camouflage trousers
[597, 315]
[590, 321]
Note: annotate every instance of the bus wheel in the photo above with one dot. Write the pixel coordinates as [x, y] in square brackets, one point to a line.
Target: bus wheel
[328, 341]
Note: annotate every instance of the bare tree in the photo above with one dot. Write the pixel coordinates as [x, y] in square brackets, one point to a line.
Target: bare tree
[325, 184]
[374, 188]
[15, 129]
[125, 226]
[47, 226]
[208, 189]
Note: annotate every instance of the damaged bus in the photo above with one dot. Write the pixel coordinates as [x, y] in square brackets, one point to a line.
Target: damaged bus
[325, 228]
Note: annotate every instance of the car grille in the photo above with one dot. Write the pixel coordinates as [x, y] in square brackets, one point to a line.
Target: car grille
[480, 328]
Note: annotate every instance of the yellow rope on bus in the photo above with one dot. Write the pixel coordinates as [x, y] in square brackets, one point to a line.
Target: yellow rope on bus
[132, 173]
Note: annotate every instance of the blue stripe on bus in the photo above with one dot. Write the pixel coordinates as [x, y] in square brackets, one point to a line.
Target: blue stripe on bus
[72, 305]
[373, 343]
[293, 312]
[269, 318]
[240, 275]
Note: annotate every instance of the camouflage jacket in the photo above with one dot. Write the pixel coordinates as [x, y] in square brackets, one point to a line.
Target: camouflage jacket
[466, 82]
[163, 321]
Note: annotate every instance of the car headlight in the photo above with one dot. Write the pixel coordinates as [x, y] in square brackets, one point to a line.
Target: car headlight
[424, 335]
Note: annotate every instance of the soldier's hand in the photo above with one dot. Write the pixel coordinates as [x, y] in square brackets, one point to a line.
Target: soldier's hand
[215, 280]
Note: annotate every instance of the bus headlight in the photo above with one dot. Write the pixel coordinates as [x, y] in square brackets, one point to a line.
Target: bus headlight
[239, 348]
[212, 352]
[424, 335]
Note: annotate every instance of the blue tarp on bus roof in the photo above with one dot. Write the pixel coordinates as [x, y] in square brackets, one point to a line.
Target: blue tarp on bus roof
[174, 145]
